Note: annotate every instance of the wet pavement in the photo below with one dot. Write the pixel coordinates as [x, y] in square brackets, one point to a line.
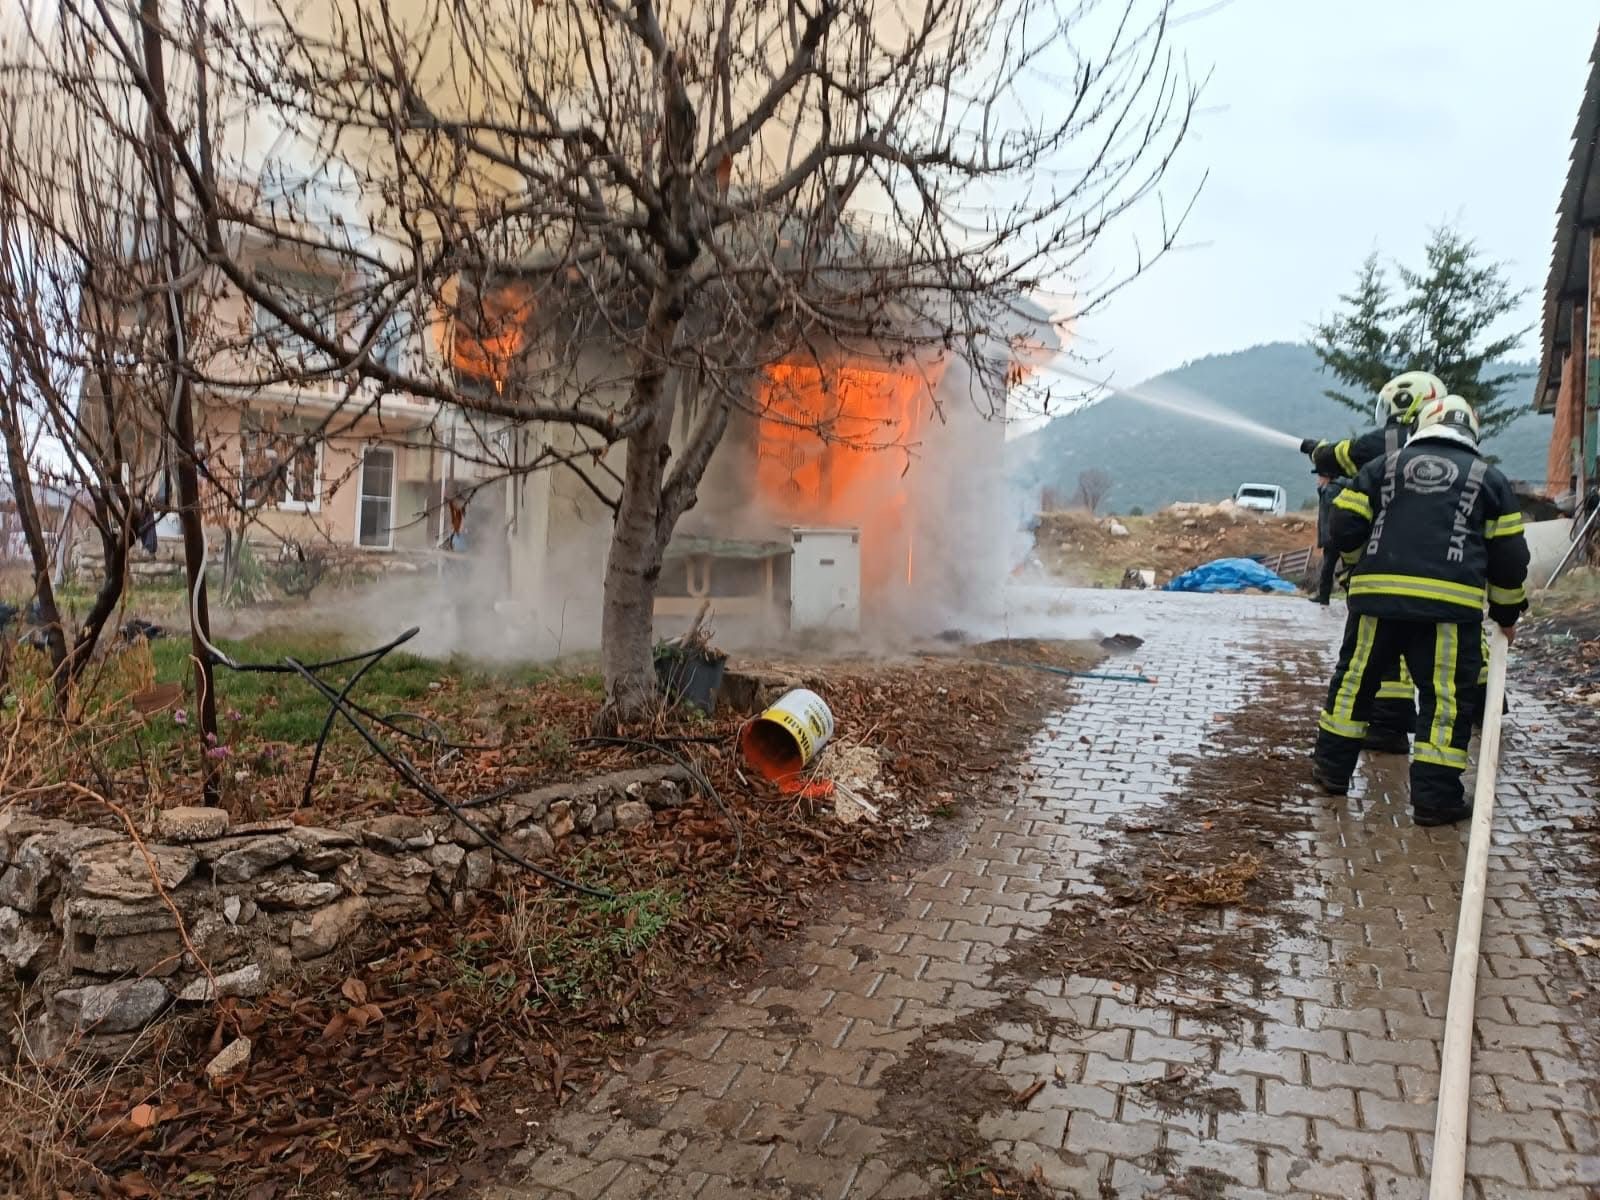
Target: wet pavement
[884, 1039]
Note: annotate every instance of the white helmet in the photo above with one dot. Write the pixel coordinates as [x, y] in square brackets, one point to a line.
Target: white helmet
[1404, 395]
[1449, 418]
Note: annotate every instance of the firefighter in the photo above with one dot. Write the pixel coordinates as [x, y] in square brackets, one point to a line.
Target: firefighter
[1394, 714]
[1441, 535]
[1328, 487]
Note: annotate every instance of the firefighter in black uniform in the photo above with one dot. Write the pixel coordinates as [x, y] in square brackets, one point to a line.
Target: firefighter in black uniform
[1394, 715]
[1440, 534]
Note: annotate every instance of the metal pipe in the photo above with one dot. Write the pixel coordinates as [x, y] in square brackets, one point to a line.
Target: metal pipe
[1455, 1079]
[1583, 536]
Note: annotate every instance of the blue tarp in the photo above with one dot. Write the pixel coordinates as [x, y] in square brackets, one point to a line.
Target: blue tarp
[1229, 575]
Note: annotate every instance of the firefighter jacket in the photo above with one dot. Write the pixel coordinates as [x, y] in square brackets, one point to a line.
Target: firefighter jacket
[1327, 493]
[1437, 533]
[1349, 456]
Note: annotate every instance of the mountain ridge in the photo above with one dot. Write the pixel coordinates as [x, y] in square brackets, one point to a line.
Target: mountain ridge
[1156, 457]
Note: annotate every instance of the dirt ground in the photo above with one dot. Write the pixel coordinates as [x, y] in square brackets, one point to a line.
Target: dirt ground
[1083, 550]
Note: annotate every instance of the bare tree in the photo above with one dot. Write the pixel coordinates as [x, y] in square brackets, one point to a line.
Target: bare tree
[1093, 487]
[65, 241]
[625, 214]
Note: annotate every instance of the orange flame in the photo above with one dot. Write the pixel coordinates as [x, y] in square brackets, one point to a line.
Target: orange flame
[835, 444]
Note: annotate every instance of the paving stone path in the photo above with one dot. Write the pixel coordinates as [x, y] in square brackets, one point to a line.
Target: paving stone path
[805, 1085]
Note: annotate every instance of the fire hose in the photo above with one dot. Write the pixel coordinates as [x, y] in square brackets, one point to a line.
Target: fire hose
[1448, 1177]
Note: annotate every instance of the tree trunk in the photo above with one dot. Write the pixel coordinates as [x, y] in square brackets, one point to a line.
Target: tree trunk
[194, 554]
[633, 563]
[33, 531]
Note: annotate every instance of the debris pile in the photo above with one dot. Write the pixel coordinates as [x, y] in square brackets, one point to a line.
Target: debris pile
[1084, 549]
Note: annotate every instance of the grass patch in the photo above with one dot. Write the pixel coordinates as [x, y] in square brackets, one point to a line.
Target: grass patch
[585, 949]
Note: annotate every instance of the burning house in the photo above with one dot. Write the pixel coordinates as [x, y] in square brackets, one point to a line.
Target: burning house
[851, 490]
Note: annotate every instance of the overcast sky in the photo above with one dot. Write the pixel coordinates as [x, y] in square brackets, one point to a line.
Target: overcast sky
[1336, 127]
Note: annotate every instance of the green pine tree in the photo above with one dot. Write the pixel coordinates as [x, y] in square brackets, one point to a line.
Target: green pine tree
[1442, 321]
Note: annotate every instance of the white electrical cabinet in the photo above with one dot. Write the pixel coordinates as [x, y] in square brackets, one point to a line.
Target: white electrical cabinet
[825, 580]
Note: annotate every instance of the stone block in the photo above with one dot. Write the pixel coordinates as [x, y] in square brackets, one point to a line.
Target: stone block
[25, 942]
[479, 871]
[112, 1007]
[446, 859]
[248, 980]
[322, 849]
[121, 871]
[36, 864]
[253, 857]
[296, 892]
[532, 842]
[632, 814]
[191, 823]
[559, 821]
[323, 931]
[110, 937]
[396, 831]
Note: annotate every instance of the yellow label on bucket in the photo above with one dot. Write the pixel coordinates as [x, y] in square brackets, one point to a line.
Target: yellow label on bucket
[799, 730]
[805, 717]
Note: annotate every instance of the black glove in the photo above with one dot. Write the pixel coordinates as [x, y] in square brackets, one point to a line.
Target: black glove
[1308, 446]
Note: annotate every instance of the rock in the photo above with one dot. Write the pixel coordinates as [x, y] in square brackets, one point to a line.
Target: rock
[248, 980]
[233, 1058]
[124, 872]
[322, 849]
[254, 857]
[17, 826]
[396, 832]
[533, 842]
[529, 806]
[750, 692]
[111, 937]
[631, 814]
[191, 823]
[379, 874]
[296, 892]
[112, 1007]
[660, 793]
[1117, 529]
[38, 862]
[605, 821]
[479, 870]
[585, 815]
[275, 825]
[446, 859]
[559, 819]
[232, 909]
[22, 941]
[327, 927]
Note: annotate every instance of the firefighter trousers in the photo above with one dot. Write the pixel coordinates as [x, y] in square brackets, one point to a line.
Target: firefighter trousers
[1444, 658]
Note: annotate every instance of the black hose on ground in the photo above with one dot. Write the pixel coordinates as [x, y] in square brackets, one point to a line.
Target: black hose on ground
[340, 704]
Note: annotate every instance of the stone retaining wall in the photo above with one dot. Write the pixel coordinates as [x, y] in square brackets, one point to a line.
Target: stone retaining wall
[99, 951]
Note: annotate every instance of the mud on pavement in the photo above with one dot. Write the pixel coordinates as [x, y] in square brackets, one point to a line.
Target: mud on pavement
[1183, 912]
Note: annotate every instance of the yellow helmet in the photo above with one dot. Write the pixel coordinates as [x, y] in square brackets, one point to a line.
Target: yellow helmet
[1403, 397]
[1449, 418]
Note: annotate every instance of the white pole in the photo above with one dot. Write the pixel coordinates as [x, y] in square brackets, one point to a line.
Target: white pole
[1455, 1079]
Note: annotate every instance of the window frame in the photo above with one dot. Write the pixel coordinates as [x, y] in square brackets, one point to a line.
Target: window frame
[290, 502]
[361, 493]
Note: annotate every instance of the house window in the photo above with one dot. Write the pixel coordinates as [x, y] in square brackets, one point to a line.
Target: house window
[311, 298]
[282, 462]
[375, 520]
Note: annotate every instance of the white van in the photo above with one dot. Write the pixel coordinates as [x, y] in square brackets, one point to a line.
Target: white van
[1262, 497]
